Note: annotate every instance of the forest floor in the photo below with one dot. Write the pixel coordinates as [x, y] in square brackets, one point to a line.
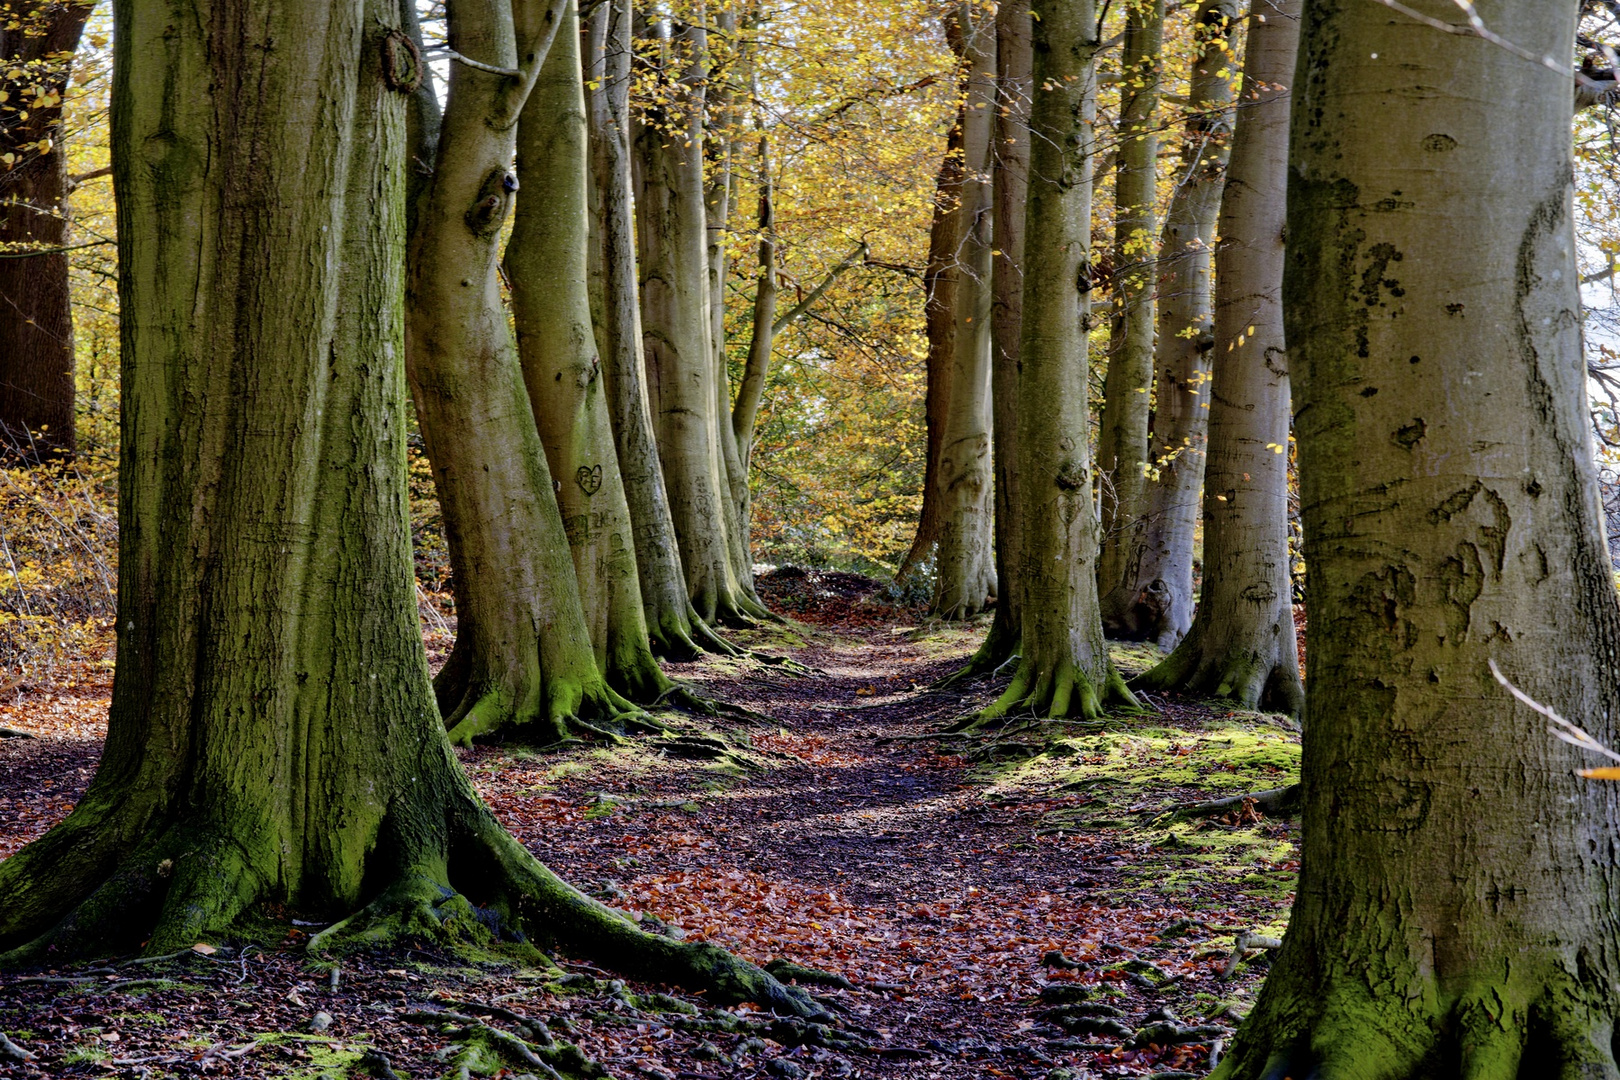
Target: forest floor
[1021, 903]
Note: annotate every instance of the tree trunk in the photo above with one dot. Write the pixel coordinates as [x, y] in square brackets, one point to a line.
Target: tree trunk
[1241, 645]
[1010, 182]
[523, 650]
[939, 325]
[1156, 603]
[546, 265]
[1122, 437]
[680, 358]
[675, 628]
[273, 737]
[1455, 912]
[36, 314]
[1064, 670]
[965, 569]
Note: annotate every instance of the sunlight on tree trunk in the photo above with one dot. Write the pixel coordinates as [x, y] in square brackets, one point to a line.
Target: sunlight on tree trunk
[1241, 645]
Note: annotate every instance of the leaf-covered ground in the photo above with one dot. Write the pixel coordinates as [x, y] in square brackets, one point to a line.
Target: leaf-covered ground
[1017, 904]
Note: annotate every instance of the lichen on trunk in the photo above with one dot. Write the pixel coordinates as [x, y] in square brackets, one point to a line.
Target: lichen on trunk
[1455, 912]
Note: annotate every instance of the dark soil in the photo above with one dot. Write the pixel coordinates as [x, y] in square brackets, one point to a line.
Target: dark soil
[964, 888]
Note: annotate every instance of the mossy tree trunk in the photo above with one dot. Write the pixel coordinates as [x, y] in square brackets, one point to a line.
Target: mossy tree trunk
[273, 736]
[1157, 600]
[682, 383]
[562, 368]
[964, 481]
[1064, 668]
[523, 651]
[1241, 645]
[1010, 181]
[1122, 436]
[675, 628]
[1456, 906]
[36, 314]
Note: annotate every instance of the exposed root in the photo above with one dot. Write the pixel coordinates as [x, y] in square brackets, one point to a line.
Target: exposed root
[685, 636]
[1278, 802]
[487, 1049]
[570, 709]
[1060, 691]
[1000, 648]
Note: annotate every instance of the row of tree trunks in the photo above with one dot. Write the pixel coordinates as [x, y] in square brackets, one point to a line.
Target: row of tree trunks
[1122, 436]
[36, 317]
[1242, 644]
[676, 630]
[1155, 602]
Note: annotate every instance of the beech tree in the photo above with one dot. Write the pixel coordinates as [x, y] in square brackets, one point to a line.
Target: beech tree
[964, 568]
[273, 736]
[1242, 645]
[562, 368]
[1455, 910]
[1122, 435]
[36, 317]
[676, 629]
[1064, 668]
[1156, 598]
[683, 380]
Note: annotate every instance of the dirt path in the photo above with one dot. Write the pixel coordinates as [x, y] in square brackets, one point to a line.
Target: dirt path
[943, 888]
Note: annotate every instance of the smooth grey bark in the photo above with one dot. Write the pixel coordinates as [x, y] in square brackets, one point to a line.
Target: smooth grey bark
[36, 312]
[523, 650]
[546, 267]
[682, 383]
[1455, 915]
[1010, 182]
[676, 629]
[1122, 435]
[1156, 603]
[1064, 668]
[1242, 644]
[964, 568]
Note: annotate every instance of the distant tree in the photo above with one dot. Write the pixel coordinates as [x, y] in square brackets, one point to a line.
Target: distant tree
[1122, 434]
[1156, 598]
[964, 482]
[37, 42]
[273, 736]
[1455, 910]
[1241, 645]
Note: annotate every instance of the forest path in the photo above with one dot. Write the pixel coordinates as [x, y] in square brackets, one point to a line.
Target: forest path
[935, 876]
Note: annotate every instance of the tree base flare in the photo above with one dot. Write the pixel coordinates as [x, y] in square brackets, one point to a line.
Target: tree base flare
[1056, 691]
[1239, 675]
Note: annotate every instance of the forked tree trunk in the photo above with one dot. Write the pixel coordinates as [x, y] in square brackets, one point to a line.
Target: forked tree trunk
[1157, 602]
[545, 263]
[1064, 668]
[1241, 645]
[36, 314]
[273, 736]
[523, 649]
[1456, 906]
[682, 381]
[1122, 436]
[675, 628]
[1010, 163]
[939, 325]
[965, 568]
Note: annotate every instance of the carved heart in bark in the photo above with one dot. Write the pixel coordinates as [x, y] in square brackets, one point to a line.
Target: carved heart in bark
[589, 478]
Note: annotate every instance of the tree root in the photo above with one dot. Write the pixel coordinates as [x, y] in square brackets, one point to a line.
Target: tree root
[570, 710]
[1060, 691]
[1278, 802]
[685, 637]
[485, 1048]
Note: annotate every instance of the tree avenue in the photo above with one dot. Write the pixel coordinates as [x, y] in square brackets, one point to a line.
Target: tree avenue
[274, 736]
